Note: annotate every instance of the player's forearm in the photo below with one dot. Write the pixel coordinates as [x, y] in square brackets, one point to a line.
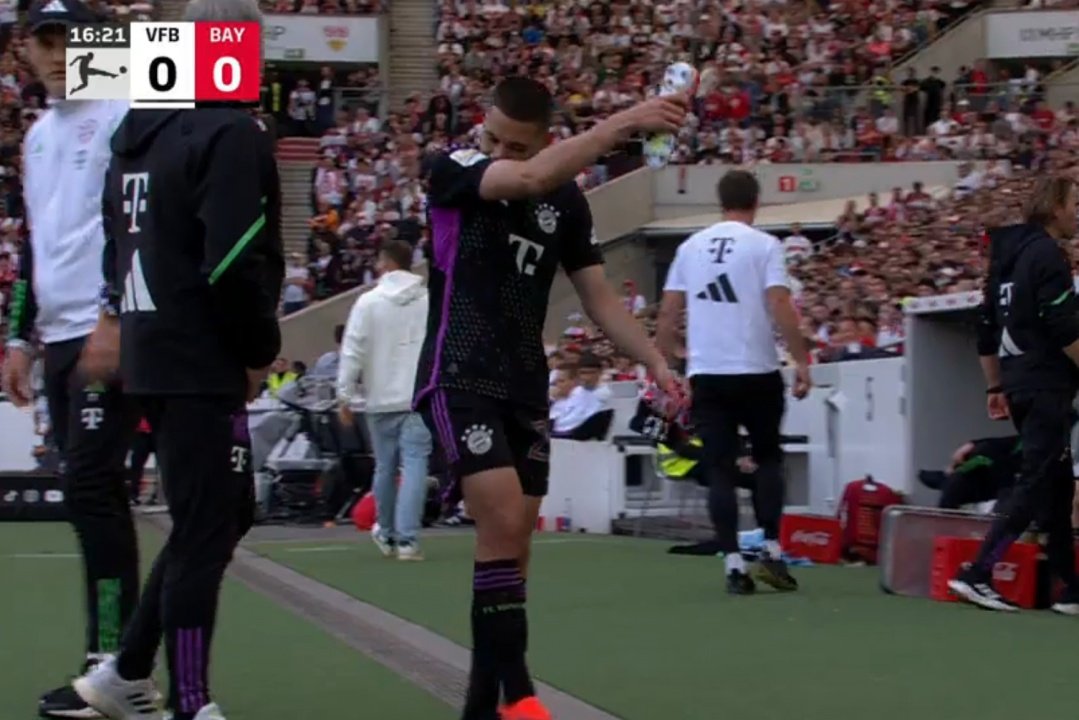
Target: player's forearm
[991, 368]
[667, 327]
[560, 163]
[624, 330]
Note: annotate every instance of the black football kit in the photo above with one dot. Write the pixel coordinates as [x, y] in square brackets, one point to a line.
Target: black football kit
[482, 382]
[194, 259]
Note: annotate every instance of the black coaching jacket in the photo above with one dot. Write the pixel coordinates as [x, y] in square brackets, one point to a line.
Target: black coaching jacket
[1030, 311]
[193, 256]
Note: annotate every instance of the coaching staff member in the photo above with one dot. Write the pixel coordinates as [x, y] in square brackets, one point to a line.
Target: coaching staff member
[731, 279]
[56, 298]
[194, 267]
[1028, 343]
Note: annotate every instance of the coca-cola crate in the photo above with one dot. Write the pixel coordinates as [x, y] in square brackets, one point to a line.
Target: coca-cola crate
[815, 537]
[1014, 577]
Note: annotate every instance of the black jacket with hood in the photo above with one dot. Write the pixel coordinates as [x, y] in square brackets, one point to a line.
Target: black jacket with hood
[193, 255]
[1030, 312]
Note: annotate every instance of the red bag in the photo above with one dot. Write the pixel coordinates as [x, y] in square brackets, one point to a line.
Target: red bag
[363, 514]
[860, 509]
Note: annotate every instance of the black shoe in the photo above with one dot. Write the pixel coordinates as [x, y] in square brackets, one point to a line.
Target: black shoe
[976, 589]
[933, 479]
[64, 702]
[708, 548]
[1068, 604]
[774, 573]
[738, 583]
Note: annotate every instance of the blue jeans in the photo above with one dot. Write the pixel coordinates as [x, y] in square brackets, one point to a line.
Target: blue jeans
[400, 440]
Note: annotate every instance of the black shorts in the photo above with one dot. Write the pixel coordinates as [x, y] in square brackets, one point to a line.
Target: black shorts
[478, 433]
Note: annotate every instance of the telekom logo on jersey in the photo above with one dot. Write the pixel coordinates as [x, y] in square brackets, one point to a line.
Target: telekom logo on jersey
[528, 254]
[134, 187]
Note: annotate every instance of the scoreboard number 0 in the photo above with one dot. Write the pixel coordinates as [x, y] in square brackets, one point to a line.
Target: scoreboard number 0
[161, 65]
[227, 74]
[235, 74]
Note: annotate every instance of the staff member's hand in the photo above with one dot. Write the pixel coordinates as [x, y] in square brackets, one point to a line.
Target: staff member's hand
[255, 380]
[345, 415]
[100, 357]
[997, 405]
[803, 381]
[16, 376]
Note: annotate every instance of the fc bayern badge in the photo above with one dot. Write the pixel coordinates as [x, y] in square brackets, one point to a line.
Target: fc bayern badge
[547, 219]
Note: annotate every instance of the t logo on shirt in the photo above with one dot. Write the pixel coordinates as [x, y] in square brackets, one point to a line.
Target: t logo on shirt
[528, 254]
[721, 248]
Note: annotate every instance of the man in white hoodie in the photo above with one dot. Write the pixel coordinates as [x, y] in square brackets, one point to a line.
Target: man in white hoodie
[381, 348]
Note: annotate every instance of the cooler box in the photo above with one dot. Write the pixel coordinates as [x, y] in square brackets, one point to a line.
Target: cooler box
[1015, 577]
[815, 537]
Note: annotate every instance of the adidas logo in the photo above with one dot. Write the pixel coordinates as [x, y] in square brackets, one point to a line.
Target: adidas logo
[137, 296]
[55, 6]
[719, 290]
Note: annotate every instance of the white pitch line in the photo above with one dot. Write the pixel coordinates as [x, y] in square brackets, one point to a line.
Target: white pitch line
[320, 549]
[45, 556]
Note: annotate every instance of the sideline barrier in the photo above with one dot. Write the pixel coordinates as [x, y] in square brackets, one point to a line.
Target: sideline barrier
[850, 425]
[17, 438]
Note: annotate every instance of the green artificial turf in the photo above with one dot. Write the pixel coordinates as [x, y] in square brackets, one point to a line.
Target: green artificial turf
[649, 636]
[268, 664]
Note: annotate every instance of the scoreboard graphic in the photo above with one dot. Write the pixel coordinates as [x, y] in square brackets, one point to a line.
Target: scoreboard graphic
[165, 65]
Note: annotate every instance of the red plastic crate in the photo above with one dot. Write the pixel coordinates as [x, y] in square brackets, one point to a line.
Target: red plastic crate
[814, 537]
[1014, 577]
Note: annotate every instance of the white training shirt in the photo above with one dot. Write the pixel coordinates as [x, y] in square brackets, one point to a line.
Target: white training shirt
[724, 271]
[66, 154]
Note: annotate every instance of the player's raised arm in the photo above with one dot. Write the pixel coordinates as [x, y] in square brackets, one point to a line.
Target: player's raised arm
[561, 162]
[515, 160]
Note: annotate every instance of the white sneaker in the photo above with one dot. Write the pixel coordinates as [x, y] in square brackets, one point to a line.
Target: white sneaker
[207, 712]
[104, 690]
[383, 543]
[409, 552]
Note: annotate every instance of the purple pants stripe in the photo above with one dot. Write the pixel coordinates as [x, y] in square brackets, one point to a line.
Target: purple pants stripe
[190, 665]
[180, 668]
[441, 413]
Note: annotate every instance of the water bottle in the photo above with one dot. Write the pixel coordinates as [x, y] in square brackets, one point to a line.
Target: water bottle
[679, 77]
[565, 520]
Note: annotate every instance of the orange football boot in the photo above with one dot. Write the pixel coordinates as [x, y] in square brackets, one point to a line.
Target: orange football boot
[530, 708]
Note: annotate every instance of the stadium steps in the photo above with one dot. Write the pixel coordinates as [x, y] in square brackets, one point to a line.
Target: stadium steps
[1063, 85]
[412, 50]
[171, 10]
[295, 203]
[962, 43]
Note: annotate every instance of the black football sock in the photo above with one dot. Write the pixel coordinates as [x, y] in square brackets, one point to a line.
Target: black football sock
[481, 701]
[499, 597]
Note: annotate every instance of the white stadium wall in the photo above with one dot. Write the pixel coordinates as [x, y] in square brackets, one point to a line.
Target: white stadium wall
[946, 390]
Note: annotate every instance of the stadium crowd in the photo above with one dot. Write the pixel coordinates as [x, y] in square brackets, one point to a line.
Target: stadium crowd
[779, 83]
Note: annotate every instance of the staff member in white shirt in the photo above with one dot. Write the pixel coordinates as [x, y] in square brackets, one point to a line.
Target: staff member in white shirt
[57, 299]
[381, 346]
[732, 281]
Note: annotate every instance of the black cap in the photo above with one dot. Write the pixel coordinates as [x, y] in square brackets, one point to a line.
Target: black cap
[59, 12]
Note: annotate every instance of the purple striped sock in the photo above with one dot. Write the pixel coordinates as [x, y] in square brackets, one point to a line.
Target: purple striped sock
[498, 578]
